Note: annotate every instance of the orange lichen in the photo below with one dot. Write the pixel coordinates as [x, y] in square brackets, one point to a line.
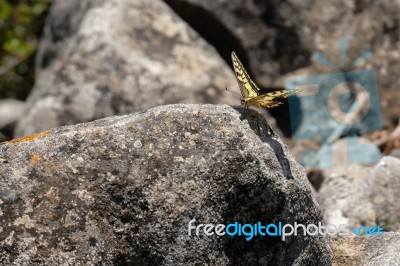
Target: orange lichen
[27, 138]
[35, 159]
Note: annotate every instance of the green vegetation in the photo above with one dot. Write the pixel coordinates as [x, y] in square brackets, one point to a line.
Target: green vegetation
[21, 23]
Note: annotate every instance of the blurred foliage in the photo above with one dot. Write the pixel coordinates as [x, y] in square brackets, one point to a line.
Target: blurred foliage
[21, 24]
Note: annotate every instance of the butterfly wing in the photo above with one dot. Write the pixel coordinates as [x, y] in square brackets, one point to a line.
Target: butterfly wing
[247, 87]
[270, 99]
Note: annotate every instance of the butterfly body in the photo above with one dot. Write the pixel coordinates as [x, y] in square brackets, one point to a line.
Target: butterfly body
[251, 93]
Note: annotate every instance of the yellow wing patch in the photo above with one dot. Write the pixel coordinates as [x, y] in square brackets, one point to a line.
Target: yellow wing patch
[251, 92]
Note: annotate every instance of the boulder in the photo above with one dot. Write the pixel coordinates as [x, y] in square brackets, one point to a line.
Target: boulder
[358, 195]
[103, 58]
[122, 190]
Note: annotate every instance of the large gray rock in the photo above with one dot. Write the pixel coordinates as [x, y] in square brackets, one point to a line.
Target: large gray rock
[344, 196]
[385, 189]
[101, 58]
[367, 251]
[121, 190]
[359, 195]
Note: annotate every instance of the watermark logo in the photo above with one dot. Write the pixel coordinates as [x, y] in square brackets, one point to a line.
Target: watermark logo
[333, 105]
[249, 231]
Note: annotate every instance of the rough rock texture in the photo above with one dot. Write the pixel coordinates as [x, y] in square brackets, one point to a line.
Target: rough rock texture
[280, 37]
[344, 196]
[366, 251]
[385, 188]
[101, 58]
[360, 195]
[123, 189]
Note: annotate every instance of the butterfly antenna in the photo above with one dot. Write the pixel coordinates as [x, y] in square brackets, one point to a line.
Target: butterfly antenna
[232, 91]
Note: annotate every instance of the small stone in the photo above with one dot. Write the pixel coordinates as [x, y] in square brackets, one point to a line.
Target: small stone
[137, 144]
